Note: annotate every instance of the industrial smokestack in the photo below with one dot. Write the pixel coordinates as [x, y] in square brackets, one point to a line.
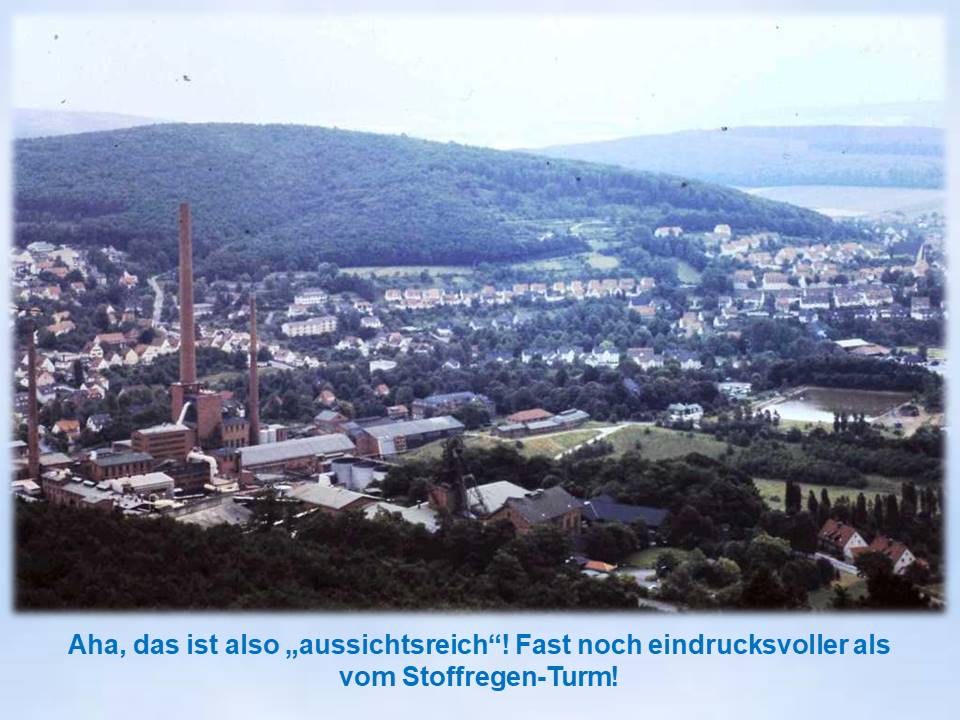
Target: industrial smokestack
[253, 392]
[188, 357]
[33, 438]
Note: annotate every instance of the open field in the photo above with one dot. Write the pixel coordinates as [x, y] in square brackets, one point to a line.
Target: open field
[221, 377]
[434, 450]
[548, 445]
[600, 261]
[856, 588]
[555, 443]
[647, 558]
[686, 273]
[661, 443]
[772, 490]
[570, 263]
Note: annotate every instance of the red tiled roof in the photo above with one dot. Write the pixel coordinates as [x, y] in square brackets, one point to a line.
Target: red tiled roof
[529, 415]
[599, 566]
[891, 548]
[837, 532]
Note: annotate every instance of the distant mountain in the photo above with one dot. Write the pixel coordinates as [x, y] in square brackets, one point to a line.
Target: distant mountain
[773, 156]
[30, 123]
[288, 197]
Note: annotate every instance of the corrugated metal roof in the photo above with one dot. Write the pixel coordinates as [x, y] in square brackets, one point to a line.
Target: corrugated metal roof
[121, 459]
[414, 427]
[328, 496]
[299, 447]
[495, 495]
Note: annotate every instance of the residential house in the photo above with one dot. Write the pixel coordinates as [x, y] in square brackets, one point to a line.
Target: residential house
[840, 539]
[685, 412]
[899, 554]
[645, 357]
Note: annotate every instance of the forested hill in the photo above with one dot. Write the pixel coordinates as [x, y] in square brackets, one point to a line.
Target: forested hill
[286, 197]
[764, 156]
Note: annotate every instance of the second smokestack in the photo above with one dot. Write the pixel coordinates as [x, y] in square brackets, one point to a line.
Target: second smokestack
[188, 357]
[253, 392]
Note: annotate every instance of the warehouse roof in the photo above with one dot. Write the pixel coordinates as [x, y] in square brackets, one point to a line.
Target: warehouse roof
[543, 505]
[121, 459]
[414, 427]
[328, 496]
[494, 495]
[289, 449]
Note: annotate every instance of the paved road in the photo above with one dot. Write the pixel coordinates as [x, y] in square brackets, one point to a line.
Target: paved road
[657, 605]
[158, 299]
[838, 564]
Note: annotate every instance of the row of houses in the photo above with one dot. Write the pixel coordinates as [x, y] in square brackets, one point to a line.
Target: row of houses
[412, 298]
[844, 541]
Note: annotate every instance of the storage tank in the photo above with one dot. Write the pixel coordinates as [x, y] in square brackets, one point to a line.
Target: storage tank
[343, 470]
[362, 474]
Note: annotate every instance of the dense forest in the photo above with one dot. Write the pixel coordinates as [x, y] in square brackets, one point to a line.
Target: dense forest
[333, 562]
[287, 197]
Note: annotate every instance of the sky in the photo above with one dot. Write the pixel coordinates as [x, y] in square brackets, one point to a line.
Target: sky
[503, 81]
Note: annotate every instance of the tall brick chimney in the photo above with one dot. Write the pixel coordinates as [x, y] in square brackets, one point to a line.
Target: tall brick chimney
[188, 357]
[253, 392]
[33, 439]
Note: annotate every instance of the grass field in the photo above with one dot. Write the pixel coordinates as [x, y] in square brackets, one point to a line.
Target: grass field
[548, 445]
[601, 262]
[661, 443]
[234, 374]
[772, 490]
[552, 445]
[804, 425]
[434, 450]
[686, 273]
[821, 599]
[647, 558]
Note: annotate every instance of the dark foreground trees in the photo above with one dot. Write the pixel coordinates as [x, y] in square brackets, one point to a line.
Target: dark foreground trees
[81, 559]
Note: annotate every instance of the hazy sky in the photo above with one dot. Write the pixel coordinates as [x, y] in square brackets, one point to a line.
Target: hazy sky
[502, 81]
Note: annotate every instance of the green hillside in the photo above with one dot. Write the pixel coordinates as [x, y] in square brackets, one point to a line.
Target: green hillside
[850, 155]
[288, 197]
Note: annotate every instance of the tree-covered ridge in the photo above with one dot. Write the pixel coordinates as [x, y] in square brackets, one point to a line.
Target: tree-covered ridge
[290, 196]
[797, 155]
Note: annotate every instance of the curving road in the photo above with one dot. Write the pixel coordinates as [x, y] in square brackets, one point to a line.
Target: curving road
[158, 299]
